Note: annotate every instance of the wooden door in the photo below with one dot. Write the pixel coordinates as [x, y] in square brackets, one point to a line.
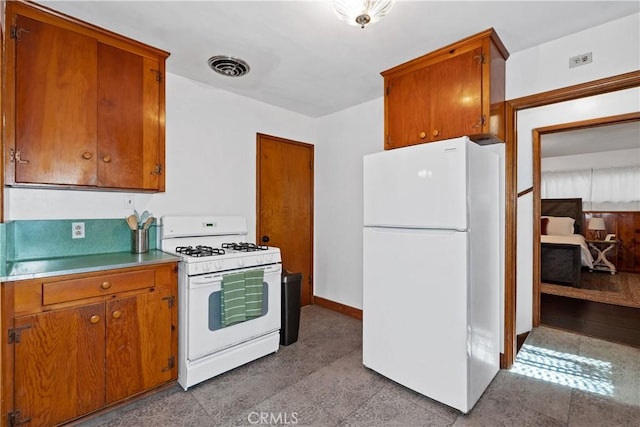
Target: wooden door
[285, 204]
[55, 82]
[59, 364]
[138, 344]
[407, 109]
[456, 96]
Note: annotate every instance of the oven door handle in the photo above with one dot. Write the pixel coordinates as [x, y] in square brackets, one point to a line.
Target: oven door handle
[273, 268]
[208, 280]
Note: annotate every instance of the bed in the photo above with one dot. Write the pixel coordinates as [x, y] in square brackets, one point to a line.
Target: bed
[563, 249]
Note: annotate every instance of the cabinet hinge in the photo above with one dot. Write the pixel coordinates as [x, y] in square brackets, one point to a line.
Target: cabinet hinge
[387, 90]
[157, 170]
[483, 120]
[16, 32]
[170, 364]
[310, 165]
[14, 419]
[170, 300]
[158, 75]
[15, 156]
[14, 334]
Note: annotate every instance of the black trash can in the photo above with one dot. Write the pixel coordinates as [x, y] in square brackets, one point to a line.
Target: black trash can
[290, 316]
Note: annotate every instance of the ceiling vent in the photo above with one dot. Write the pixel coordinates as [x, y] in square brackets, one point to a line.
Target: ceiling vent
[228, 66]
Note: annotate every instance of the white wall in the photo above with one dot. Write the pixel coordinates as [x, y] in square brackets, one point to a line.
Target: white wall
[615, 47]
[210, 161]
[343, 138]
[616, 50]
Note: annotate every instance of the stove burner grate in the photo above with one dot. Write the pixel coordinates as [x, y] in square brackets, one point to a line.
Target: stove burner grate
[244, 247]
[199, 251]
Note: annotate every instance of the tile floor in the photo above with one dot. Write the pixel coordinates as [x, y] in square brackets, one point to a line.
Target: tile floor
[559, 379]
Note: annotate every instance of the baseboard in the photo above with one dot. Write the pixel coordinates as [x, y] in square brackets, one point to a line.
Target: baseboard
[340, 308]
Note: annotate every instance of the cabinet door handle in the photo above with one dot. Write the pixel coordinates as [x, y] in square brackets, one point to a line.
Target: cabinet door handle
[423, 135]
[436, 132]
[105, 285]
[116, 314]
[106, 158]
[94, 319]
[87, 155]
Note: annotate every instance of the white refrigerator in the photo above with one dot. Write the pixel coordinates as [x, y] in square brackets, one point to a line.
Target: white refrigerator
[431, 269]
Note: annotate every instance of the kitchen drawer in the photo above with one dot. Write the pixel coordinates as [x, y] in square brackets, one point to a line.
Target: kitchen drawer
[87, 287]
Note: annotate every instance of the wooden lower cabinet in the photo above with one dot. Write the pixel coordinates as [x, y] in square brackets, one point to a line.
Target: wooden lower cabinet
[138, 344]
[68, 359]
[59, 365]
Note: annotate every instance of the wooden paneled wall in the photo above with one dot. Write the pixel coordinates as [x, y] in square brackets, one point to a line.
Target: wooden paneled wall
[626, 227]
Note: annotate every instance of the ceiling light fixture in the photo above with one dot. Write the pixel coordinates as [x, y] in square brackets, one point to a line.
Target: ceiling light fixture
[361, 12]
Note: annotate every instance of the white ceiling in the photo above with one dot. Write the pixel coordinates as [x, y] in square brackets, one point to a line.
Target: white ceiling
[304, 60]
[622, 136]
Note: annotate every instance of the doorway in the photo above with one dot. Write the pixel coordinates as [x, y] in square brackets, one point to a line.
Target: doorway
[575, 167]
[514, 108]
[284, 204]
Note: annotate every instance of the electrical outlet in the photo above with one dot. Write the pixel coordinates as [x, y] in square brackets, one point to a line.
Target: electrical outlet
[77, 230]
[129, 201]
[576, 61]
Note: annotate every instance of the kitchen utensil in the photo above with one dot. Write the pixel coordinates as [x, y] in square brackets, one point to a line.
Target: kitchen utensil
[137, 216]
[147, 223]
[132, 221]
[144, 217]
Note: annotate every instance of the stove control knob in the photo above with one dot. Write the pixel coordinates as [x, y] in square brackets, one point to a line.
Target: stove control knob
[260, 260]
[241, 263]
[218, 265]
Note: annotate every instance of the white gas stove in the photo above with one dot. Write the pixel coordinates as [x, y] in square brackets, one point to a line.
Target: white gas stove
[213, 249]
[209, 244]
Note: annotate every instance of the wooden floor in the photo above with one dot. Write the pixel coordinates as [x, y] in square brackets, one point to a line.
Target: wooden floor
[604, 306]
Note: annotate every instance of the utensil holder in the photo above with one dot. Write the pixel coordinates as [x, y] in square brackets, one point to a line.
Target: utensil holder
[139, 241]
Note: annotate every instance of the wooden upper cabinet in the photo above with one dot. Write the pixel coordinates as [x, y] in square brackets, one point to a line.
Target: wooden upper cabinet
[409, 125]
[88, 106]
[456, 96]
[55, 81]
[128, 120]
[455, 91]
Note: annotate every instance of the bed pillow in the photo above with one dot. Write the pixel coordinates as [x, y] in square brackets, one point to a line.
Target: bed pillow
[560, 225]
[544, 222]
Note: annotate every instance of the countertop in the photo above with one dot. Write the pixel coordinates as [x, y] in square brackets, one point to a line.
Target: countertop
[49, 267]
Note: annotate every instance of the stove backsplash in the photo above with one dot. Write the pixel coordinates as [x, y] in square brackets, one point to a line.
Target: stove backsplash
[36, 239]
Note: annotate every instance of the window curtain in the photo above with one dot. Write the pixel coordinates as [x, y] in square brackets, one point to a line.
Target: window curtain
[619, 185]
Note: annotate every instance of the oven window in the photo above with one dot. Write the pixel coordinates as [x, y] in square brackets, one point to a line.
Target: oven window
[215, 308]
